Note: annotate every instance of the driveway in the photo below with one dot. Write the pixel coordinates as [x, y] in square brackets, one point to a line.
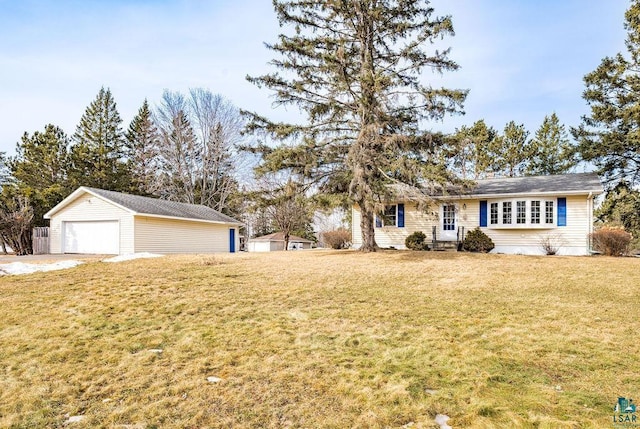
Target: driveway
[36, 259]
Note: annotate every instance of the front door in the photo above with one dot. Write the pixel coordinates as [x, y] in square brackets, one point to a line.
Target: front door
[232, 240]
[448, 227]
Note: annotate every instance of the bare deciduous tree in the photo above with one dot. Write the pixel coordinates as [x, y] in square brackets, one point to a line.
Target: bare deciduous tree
[198, 139]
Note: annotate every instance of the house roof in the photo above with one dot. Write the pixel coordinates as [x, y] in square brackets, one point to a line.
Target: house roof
[563, 184]
[279, 236]
[576, 183]
[148, 206]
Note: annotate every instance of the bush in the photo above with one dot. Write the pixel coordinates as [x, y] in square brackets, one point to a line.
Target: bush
[416, 241]
[611, 241]
[337, 239]
[551, 243]
[477, 241]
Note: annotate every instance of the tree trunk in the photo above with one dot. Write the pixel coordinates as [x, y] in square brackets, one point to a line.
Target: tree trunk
[367, 218]
[286, 241]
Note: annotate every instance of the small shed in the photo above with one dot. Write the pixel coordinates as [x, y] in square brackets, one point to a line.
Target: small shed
[96, 221]
[274, 242]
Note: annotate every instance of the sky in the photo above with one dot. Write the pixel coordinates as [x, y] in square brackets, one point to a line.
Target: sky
[520, 59]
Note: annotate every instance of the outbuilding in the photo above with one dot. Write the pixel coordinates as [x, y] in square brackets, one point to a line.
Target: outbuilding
[96, 221]
[274, 242]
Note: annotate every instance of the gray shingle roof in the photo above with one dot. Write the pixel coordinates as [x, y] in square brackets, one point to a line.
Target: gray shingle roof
[153, 206]
[565, 183]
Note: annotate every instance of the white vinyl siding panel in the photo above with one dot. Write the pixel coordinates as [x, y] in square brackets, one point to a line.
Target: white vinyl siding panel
[90, 208]
[178, 236]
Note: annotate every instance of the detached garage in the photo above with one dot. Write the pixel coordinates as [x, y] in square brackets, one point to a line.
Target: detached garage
[95, 221]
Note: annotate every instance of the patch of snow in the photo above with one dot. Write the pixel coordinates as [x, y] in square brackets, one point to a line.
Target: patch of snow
[132, 256]
[157, 351]
[214, 379]
[15, 268]
[442, 420]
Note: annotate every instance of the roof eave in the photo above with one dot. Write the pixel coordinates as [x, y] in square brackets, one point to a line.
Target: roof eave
[74, 195]
[219, 222]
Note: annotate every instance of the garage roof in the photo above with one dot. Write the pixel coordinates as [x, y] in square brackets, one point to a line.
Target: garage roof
[147, 206]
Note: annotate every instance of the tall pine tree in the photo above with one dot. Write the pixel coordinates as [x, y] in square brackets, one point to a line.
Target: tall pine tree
[609, 136]
[509, 153]
[142, 152]
[355, 68]
[97, 157]
[39, 169]
[551, 149]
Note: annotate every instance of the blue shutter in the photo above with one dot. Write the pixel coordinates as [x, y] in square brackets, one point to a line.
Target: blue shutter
[378, 222]
[483, 213]
[401, 215]
[562, 212]
[232, 240]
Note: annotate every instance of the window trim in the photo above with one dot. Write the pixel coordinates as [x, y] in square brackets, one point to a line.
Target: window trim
[513, 204]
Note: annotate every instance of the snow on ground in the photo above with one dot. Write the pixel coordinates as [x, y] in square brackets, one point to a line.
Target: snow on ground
[131, 256]
[22, 268]
[15, 268]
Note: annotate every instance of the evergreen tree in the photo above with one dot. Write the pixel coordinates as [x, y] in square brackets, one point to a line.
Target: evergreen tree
[39, 170]
[610, 136]
[551, 150]
[97, 157]
[142, 152]
[509, 153]
[470, 150]
[621, 207]
[355, 68]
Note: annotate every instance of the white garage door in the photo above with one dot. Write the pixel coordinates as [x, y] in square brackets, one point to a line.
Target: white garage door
[97, 237]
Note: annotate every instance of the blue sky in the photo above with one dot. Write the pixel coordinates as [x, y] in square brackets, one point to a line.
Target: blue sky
[521, 59]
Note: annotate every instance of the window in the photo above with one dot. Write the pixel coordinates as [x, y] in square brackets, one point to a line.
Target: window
[449, 217]
[389, 217]
[548, 212]
[521, 212]
[517, 213]
[506, 213]
[535, 212]
[494, 213]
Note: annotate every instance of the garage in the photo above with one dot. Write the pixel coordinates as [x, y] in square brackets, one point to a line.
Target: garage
[99, 221]
[97, 237]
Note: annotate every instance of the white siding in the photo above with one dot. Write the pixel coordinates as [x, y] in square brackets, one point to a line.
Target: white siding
[572, 239]
[158, 235]
[90, 208]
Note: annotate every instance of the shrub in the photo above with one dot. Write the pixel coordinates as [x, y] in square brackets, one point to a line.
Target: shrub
[551, 243]
[337, 239]
[611, 241]
[477, 241]
[416, 241]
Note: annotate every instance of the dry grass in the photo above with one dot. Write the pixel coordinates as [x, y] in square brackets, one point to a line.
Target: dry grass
[321, 339]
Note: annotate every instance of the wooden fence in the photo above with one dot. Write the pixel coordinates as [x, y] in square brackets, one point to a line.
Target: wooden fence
[41, 240]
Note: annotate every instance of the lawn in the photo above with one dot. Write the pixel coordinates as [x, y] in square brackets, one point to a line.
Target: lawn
[322, 339]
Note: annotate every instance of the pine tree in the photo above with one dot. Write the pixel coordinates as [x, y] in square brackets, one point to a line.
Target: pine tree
[142, 152]
[610, 136]
[470, 150]
[97, 157]
[355, 68]
[551, 149]
[509, 153]
[39, 170]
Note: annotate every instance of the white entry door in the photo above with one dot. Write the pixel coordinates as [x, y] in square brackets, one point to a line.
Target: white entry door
[92, 237]
[448, 222]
